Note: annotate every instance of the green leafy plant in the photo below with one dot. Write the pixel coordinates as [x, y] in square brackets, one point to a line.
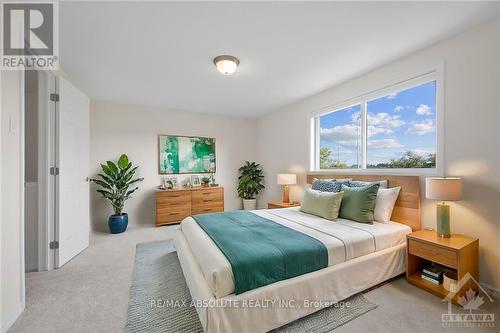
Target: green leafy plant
[250, 181]
[205, 180]
[115, 182]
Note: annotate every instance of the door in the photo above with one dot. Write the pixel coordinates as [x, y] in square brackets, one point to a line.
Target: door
[72, 162]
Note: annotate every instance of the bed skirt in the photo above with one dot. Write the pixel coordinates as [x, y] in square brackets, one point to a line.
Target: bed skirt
[272, 306]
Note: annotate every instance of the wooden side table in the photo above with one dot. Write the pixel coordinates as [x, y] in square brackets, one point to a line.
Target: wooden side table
[272, 205]
[458, 253]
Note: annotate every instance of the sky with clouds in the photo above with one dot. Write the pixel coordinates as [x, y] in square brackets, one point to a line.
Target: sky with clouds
[396, 123]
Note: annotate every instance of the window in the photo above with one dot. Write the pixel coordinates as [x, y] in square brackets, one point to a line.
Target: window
[340, 139]
[391, 128]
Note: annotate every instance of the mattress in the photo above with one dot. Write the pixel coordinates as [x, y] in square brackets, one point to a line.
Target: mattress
[344, 240]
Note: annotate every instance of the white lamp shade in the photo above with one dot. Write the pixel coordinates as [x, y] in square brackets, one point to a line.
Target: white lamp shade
[444, 189]
[287, 179]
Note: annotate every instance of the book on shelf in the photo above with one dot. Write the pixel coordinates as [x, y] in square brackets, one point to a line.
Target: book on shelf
[430, 279]
[434, 271]
[439, 279]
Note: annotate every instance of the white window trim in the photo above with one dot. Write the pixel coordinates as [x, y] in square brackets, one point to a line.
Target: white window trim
[435, 73]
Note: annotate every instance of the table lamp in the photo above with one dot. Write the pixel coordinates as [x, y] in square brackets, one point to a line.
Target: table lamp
[443, 189]
[286, 179]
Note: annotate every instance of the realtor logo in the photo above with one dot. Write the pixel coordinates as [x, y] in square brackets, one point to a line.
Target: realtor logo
[29, 35]
[472, 316]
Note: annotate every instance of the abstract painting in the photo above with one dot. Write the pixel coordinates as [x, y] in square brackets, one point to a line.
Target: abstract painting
[186, 154]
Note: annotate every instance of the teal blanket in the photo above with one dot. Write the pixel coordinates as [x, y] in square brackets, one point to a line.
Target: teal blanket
[261, 251]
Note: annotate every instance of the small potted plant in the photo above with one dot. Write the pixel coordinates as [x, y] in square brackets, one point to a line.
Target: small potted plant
[250, 184]
[115, 185]
[205, 182]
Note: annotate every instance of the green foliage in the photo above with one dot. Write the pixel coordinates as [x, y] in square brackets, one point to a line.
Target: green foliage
[115, 182]
[327, 162]
[250, 181]
[409, 160]
[205, 180]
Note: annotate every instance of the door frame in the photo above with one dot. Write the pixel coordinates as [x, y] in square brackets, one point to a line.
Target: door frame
[46, 126]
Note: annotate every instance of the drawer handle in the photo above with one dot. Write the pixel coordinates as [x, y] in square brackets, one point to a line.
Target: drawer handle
[207, 200]
[173, 214]
[175, 196]
[207, 209]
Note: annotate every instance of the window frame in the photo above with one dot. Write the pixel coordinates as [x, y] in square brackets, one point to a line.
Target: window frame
[436, 74]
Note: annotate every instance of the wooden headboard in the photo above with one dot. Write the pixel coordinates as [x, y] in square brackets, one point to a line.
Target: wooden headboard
[407, 207]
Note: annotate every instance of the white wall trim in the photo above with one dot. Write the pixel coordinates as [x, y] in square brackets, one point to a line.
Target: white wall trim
[22, 112]
[8, 322]
[1, 222]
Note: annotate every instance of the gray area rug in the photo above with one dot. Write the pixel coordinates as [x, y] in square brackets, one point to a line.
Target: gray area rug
[158, 279]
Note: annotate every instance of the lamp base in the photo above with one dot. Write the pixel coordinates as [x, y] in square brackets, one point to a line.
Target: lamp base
[443, 220]
[286, 194]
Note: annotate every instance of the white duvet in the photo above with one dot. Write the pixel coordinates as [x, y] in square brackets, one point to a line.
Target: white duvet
[344, 240]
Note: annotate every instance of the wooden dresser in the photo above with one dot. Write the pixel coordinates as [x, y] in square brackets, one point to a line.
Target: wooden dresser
[174, 205]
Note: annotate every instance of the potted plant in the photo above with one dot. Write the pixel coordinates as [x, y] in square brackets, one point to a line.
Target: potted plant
[250, 183]
[115, 185]
[205, 182]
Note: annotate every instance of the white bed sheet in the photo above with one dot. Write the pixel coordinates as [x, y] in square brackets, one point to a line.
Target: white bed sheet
[344, 240]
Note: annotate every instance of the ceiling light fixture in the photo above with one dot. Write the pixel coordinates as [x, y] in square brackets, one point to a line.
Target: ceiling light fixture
[226, 64]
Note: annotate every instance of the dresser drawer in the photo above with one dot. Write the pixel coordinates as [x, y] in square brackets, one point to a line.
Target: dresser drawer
[172, 216]
[207, 196]
[433, 253]
[207, 209]
[173, 198]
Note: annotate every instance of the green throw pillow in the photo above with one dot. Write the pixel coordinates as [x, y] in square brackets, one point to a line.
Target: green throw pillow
[358, 203]
[323, 204]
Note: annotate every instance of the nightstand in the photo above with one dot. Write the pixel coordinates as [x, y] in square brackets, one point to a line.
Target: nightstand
[458, 253]
[272, 205]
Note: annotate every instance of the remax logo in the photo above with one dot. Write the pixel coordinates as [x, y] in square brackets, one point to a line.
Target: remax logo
[29, 35]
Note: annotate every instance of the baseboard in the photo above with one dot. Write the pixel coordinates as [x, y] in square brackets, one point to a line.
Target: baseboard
[8, 322]
[490, 288]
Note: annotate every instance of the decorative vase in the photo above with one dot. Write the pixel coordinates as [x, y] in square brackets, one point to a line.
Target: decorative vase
[118, 223]
[249, 204]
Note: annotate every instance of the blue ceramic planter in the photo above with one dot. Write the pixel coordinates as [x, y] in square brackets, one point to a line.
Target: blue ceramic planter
[118, 223]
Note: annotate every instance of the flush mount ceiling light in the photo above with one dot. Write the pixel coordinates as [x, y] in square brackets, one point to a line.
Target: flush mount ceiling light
[226, 64]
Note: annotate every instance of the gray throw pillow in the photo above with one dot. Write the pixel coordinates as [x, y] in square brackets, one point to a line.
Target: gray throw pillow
[359, 183]
[328, 185]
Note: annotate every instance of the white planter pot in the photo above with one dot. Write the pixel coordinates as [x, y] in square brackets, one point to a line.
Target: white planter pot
[249, 204]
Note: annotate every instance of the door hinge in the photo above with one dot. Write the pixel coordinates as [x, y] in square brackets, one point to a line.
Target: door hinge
[54, 97]
[54, 171]
[54, 245]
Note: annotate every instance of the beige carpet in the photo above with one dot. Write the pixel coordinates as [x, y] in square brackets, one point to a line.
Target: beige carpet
[90, 294]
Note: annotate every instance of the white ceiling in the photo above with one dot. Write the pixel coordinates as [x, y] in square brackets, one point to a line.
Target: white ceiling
[160, 53]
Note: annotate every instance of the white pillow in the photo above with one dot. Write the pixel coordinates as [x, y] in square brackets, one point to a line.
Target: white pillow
[384, 204]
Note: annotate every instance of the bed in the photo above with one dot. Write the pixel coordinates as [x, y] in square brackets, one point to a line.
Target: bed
[360, 256]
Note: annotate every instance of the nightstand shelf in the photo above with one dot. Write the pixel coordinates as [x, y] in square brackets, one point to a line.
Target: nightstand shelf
[458, 253]
[417, 280]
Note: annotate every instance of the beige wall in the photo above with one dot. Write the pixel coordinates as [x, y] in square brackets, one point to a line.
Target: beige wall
[471, 140]
[116, 129]
[12, 261]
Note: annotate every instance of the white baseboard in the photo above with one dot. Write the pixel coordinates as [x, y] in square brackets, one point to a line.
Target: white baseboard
[490, 288]
[7, 323]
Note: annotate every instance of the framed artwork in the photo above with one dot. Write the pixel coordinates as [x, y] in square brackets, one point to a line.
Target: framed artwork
[185, 154]
[195, 181]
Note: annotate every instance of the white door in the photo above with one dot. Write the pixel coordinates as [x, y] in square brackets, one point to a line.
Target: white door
[72, 161]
